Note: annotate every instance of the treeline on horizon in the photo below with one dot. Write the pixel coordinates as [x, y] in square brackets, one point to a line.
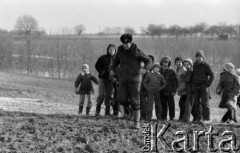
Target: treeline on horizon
[28, 25]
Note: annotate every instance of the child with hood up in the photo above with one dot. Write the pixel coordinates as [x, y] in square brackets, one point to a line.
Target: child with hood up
[228, 86]
[168, 93]
[84, 87]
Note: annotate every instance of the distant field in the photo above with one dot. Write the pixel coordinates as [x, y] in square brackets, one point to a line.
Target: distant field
[62, 56]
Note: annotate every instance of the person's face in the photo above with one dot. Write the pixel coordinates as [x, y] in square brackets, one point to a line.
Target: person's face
[187, 65]
[178, 64]
[112, 51]
[127, 46]
[199, 58]
[156, 69]
[165, 64]
[84, 69]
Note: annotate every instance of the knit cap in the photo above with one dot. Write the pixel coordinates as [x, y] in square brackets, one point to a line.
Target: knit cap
[179, 58]
[200, 53]
[229, 67]
[189, 60]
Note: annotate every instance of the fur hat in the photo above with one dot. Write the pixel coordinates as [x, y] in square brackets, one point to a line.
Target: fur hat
[238, 71]
[200, 53]
[156, 65]
[179, 58]
[189, 60]
[126, 38]
[166, 59]
[229, 67]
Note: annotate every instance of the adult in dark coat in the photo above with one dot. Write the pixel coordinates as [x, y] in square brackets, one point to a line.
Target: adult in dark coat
[105, 85]
[129, 58]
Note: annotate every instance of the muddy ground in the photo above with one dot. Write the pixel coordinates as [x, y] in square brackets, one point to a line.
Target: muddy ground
[40, 115]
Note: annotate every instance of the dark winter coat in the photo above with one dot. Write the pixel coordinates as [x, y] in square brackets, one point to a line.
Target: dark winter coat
[203, 75]
[129, 62]
[154, 80]
[84, 83]
[172, 83]
[103, 66]
[228, 85]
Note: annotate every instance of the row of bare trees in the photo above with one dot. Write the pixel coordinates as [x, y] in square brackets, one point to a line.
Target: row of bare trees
[200, 28]
[28, 25]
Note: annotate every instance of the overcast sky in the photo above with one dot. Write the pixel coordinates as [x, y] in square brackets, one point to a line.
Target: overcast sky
[97, 14]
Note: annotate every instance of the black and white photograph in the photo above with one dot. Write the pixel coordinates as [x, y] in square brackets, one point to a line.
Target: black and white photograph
[119, 76]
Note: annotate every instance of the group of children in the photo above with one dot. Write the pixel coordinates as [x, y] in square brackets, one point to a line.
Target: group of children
[191, 81]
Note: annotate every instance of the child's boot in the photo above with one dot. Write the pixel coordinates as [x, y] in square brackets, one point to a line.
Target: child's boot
[98, 109]
[80, 109]
[88, 110]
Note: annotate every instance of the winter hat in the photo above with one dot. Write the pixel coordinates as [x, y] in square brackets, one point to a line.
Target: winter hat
[179, 58]
[86, 65]
[229, 67]
[156, 65]
[238, 71]
[166, 59]
[200, 53]
[111, 45]
[126, 38]
[189, 60]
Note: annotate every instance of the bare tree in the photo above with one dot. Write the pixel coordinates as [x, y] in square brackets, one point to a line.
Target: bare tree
[26, 24]
[129, 30]
[79, 29]
[200, 28]
[174, 30]
[212, 30]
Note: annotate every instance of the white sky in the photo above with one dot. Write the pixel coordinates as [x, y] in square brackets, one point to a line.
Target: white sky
[97, 14]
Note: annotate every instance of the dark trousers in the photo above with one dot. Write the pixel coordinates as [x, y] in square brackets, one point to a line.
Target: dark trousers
[115, 104]
[105, 92]
[143, 103]
[182, 106]
[154, 96]
[201, 101]
[129, 93]
[167, 102]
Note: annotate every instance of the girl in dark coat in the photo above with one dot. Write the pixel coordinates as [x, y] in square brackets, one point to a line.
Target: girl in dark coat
[228, 86]
[83, 86]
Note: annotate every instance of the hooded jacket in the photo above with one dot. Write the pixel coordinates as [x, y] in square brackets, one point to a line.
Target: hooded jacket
[229, 87]
[103, 64]
[129, 62]
[84, 82]
[170, 77]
